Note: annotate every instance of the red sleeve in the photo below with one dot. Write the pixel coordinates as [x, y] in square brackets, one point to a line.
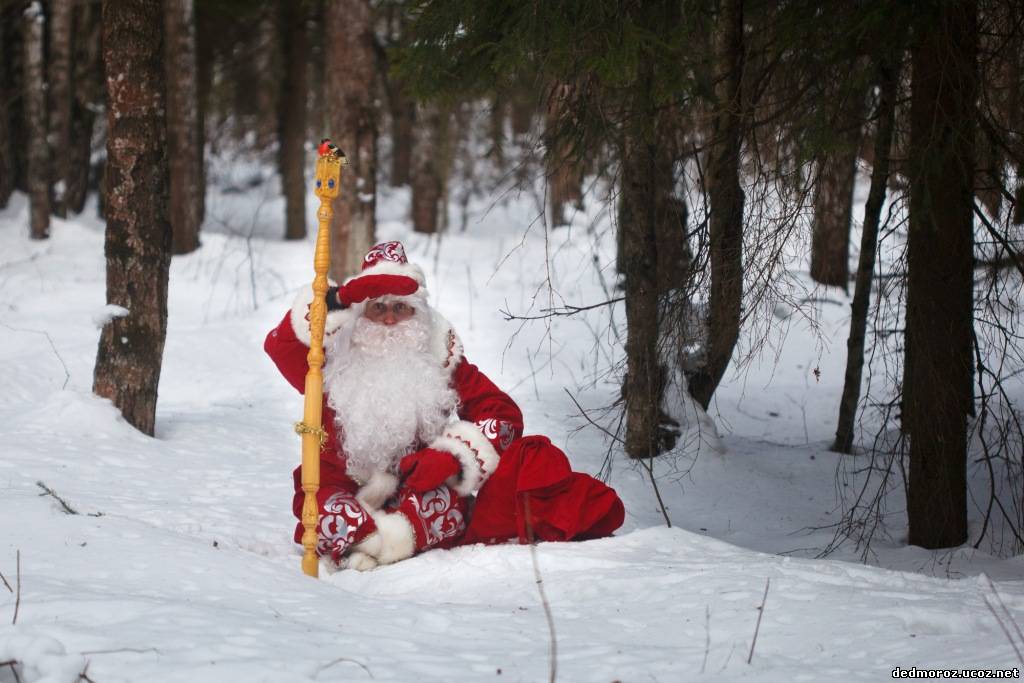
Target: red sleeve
[288, 353]
[488, 407]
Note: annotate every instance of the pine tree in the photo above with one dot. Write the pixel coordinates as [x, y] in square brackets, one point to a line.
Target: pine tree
[351, 92]
[940, 303]
[60, 97]
[185, 154]
[34, 94]
[138, 234]
[292, 116]
[88, 98]
[7, 167]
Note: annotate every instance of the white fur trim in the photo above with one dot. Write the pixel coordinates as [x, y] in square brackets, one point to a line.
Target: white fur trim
[375, 492]
[393, 268]
[360, 562]
[393, 540]
[328, 566]
[477, 456]
[445, 344]
[335, 319]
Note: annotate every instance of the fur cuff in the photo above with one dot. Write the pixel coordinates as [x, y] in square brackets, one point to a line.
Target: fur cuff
[300, 315]
[375, 492]
[475, 453]
[393, 541]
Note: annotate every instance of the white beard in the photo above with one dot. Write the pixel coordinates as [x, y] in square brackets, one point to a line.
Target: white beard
[387, 391]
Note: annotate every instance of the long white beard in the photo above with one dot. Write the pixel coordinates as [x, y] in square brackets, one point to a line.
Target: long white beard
[387, 392]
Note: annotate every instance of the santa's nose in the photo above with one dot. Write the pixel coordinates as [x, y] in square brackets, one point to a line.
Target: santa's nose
[389, 318]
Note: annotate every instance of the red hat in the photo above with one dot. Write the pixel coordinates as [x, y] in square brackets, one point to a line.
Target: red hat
[388, 258]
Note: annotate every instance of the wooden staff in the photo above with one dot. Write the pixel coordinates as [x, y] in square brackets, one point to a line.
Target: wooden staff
[328, 180]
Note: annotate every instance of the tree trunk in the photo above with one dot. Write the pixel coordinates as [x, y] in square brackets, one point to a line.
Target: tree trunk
[496, 130]
[60, 88]
[14, 70]
[833, 208]
[7, 165]
[34, 94]
[524, 106]
[564, 177]
[638, 263]
[350, 93]
[889, 82]
[185, 157]
[138, 235]
[726, 201]
[429, 169]
[292, 113]
[938, 365]
[88, 97]
[403, 119]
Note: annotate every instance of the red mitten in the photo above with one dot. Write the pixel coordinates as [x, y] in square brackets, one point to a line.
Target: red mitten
[427, 469]
[374, 286]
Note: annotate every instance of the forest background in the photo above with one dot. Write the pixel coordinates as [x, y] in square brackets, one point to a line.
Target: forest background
[722, 136]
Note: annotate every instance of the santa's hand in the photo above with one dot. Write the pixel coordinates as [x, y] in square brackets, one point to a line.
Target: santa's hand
[427, 469]
[374, 286]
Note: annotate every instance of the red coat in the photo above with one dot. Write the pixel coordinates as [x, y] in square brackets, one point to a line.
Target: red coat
[490, 420]
[533, 493]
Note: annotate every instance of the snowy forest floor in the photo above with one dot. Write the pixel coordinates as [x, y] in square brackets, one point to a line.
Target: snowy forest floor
[177, 563]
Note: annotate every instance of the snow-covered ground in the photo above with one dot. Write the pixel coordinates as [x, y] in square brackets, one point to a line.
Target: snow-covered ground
[179, 566]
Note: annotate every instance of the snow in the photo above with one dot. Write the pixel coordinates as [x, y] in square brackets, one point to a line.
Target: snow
[178, 564]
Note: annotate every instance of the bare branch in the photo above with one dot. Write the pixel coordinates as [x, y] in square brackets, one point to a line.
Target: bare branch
[14, 670]
[63, 503]
[339, 660]
[553, 642]
[17, 598]
[760, 613]
[566, 310]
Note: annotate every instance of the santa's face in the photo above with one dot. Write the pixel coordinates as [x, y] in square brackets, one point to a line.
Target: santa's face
[384, 312]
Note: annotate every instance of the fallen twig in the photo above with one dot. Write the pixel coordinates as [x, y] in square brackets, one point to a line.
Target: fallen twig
[760, 613]
[4, 579]
[553, 650]
[14, 669]
[339, 660]
[67, 375]
[84, 675]
[707, 637]
[17, 598]
[648, 465]
[1001, 619]
[119, 650]
[50, 492]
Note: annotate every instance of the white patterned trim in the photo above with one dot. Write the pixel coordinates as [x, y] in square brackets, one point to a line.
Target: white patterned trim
[475, 453]
[335, 319]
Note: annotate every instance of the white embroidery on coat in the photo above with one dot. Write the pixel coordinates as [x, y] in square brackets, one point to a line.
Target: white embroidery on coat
[437, 518]
[338, 525]
[501, 431]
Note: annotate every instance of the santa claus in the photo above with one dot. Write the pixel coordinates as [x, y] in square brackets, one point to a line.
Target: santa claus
[422, 449]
